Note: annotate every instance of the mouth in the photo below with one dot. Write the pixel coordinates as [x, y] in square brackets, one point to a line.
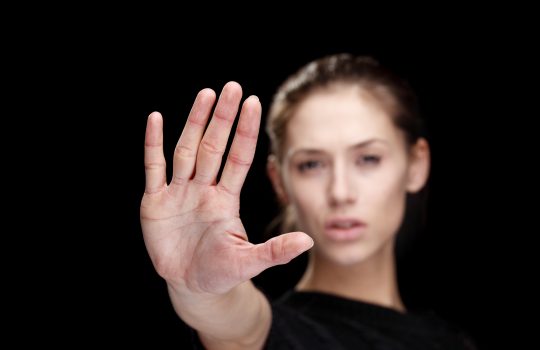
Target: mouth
[343, 229]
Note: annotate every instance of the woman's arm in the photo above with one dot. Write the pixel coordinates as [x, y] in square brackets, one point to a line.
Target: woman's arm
[239, 319]
[191, 225]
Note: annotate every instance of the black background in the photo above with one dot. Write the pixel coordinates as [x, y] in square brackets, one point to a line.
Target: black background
[448, 270]
[458, 266]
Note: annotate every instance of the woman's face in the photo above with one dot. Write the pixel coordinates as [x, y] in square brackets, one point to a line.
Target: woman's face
[346, 172]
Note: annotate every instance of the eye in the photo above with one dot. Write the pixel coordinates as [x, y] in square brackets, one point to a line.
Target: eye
[368, 160]
[309, 165]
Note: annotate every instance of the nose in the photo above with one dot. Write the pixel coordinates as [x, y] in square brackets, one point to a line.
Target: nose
[341, 188]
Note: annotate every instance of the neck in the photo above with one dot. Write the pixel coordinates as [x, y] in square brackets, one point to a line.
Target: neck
[373, 280]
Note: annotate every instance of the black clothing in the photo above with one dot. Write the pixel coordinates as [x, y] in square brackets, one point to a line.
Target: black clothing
[313, 320]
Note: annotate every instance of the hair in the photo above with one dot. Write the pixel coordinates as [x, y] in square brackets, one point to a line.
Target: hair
[392, 92]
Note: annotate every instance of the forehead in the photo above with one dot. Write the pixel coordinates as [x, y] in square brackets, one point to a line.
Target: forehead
[340, 116]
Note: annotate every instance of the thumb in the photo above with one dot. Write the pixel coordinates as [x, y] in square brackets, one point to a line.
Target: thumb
[276, 251]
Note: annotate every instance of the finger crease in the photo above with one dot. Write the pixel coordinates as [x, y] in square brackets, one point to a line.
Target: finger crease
[211, 148]
[238, 160]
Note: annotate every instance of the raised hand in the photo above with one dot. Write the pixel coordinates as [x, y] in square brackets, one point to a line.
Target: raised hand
[191, 226]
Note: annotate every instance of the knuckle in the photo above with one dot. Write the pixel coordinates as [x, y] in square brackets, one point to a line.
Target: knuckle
[275, 250]
[227, 190]
[154, 165]
[178, 180]
[211, 148]
[182, 151]
[238, 160]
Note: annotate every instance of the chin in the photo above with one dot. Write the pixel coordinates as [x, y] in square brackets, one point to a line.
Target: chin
[347, 255]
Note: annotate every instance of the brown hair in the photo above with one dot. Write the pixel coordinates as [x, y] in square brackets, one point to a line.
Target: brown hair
[393, 93]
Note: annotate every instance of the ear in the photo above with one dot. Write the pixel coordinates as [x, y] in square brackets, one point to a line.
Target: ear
[273, 170]
[420, 162]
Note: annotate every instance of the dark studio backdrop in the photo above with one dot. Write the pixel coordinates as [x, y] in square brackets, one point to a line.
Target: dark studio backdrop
[452, 264]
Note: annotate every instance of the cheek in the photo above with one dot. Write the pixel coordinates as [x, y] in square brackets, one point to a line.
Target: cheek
[387, 187]
[387, 201]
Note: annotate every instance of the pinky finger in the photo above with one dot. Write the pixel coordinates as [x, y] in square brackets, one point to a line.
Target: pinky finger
[154, 160]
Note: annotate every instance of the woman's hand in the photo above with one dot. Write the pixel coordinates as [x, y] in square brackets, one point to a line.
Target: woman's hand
[191, 226]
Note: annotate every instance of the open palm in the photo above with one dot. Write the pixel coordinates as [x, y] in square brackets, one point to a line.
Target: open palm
[191, 226]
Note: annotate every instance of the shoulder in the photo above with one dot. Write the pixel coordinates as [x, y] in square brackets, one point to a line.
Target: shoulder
[303, 320]
[294, 328]
[446, 331]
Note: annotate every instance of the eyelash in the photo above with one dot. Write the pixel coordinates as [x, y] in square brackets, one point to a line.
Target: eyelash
[308, 165]
[311, 165]
[369, 160]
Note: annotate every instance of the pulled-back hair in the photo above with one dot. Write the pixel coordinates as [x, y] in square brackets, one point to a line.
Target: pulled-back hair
[391, 92]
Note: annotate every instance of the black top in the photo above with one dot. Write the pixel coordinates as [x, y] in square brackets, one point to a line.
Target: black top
[313, 320]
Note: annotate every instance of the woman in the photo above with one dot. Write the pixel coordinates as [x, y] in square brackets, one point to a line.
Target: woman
[346, 150]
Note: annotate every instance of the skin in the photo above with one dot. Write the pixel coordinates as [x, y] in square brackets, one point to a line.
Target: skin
[192, 229]
[363, 168]
[195, 237]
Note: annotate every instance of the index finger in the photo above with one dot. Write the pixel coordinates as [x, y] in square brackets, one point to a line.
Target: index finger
[214, 141]
[243, 147]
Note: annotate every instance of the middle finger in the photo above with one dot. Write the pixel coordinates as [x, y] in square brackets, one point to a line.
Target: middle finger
[215, 138]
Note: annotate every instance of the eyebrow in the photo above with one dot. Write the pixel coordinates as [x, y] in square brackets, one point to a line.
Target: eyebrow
[361, 144]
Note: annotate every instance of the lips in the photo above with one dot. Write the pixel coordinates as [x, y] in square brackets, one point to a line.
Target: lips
[342, 229]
